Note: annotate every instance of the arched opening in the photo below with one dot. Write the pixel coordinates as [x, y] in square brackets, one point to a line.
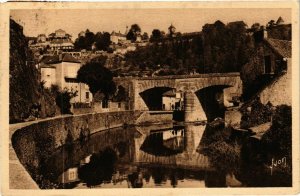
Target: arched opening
[212, 101]
[165, 142]
[153, 98]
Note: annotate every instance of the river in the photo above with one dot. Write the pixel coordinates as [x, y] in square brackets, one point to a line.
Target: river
[166, 155]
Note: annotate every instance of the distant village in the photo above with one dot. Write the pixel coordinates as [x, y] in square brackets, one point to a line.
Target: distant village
[59, 61]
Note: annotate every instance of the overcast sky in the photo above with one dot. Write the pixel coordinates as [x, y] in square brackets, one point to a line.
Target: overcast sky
[185, 20]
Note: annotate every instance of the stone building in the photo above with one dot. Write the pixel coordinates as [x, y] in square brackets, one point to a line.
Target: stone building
[61, 70]
[172, 100]
[116, 38]
[57, 41]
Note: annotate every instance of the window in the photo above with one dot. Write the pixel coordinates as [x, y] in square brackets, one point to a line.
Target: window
[87, 95]
[104, 103]
[71, 80]
[72, 175]
[119, 105]
[268, 68]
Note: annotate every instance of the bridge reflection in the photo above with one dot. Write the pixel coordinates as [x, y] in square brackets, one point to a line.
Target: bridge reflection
[137, 156]
[172, 146]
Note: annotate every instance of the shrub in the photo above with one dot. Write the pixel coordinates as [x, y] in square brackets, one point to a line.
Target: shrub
[224, 156]
[257, 115]
[63, 101]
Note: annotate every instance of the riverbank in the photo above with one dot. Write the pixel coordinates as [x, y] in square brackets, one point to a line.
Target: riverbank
[29, 141]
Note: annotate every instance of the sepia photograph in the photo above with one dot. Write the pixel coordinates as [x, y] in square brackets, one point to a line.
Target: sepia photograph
[151, 97]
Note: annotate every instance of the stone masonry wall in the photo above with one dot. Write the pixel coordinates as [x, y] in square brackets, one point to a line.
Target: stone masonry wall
[39, 140]
[278, 93]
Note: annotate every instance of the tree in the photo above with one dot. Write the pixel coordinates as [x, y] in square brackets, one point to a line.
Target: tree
[89, 39]
[145, 36]
[156, 35]
[80, 43]
[63, 101]
[134, 31]
[102, 40]
[122, 95]
[97, 77]
[255, 27]
[271, 23]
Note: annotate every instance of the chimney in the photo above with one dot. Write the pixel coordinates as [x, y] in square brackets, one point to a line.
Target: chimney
[60, 57]
[265, 32]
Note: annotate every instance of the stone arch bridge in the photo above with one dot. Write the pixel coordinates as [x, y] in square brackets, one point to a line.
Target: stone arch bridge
[197, 91]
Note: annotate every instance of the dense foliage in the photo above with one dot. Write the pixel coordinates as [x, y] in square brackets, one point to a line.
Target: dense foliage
[222, 150]
[269, 160]
[134, 31]
[256, 113]
[100, 40]
[63, 98]
[97, 77]
[220, 48]
[278, 140]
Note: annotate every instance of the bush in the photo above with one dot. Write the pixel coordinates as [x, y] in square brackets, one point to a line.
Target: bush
[63, 101]
[277, 142]
[257, 115]
[224, 156]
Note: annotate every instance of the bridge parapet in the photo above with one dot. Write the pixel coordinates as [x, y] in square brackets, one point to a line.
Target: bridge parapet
[208, 75]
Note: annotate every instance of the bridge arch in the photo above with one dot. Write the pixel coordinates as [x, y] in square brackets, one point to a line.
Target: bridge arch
[213, 100]
[153, 97]
[147, 91]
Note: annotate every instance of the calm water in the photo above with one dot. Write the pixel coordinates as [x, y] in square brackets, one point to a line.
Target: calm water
[152, 156]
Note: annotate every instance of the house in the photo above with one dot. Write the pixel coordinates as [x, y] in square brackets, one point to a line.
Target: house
[81, 34]
[116, 38]
[271, 56]
[276, 54]
[59, 40]
[268, 72]
[172, 100]
[69, 176]
[100, 104]
[41, 38]
[61, 70]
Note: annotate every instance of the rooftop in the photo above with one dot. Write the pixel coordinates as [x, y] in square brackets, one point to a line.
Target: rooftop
[282, 47]
[280, 21]
[169, 93]
[118, 34]
[59, 58]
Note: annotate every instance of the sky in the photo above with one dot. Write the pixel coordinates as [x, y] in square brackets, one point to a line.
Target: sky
[42, 21]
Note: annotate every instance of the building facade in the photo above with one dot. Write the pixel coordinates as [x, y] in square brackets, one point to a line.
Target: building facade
[116, 38]
[59, 40]
[172, 100]
[61, 70]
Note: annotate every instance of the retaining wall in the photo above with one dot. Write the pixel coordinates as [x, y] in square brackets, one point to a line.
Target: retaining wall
[35, 142]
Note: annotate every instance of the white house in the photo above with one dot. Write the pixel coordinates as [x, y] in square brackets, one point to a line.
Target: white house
[61, 70]
[115, 38]
[59, 40]
[171, 100]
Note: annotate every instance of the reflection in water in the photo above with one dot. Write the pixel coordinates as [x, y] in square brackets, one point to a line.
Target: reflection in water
[161, 156]
[164, 142]
[152, 156]
[99, 169]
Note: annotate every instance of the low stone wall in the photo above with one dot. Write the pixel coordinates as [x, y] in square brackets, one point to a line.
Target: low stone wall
[35, 142]
[279, 92]
[155, 117]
